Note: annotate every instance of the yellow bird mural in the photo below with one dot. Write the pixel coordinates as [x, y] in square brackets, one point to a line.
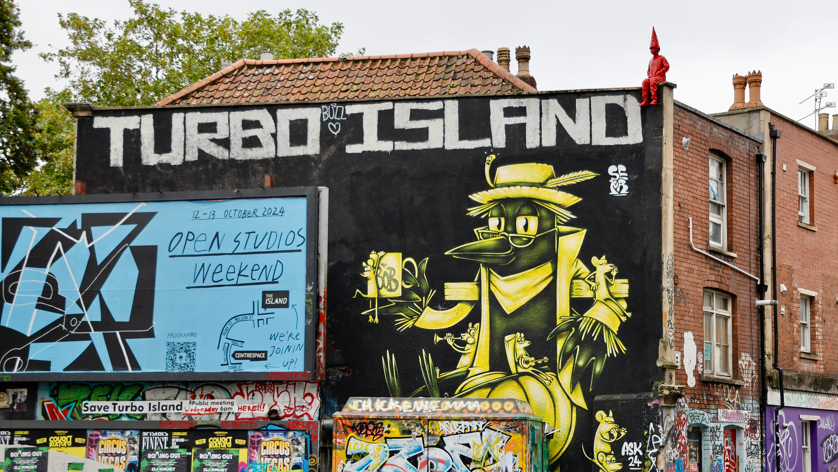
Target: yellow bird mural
[524, 338]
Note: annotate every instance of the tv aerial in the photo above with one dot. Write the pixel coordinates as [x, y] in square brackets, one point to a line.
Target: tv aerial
[819, 95]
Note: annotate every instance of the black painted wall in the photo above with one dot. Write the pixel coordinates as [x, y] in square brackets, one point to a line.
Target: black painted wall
[415, 203]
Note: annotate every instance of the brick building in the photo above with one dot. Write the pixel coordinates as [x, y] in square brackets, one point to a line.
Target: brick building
[716, 271]
[801, 360]
[710, 348]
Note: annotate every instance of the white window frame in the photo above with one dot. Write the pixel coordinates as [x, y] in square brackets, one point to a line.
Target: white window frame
[803, 196]
[721, 200]
[805, 172]
[721, 349]
[807, 299]
[806, 444]
[805, 323]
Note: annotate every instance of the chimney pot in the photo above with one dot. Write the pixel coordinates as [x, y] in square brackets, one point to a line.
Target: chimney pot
[835, 122]
[503, 58]
[490, 54]
[266, 56]
[823, 122]
[754, 84]
[522, 54]
[738, 92]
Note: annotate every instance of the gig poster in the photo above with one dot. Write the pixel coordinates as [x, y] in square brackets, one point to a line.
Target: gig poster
[73, 442]
[165, 460]
[280, 450]
[26, 459]
[218, 460]
[117, 448]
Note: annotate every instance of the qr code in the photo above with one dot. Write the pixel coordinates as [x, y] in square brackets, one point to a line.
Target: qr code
[180, 357]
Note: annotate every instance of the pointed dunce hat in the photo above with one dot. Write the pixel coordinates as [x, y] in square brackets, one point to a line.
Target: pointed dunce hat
[655, 44]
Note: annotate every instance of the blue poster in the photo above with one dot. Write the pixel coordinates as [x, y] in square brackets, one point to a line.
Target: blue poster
[157, 286]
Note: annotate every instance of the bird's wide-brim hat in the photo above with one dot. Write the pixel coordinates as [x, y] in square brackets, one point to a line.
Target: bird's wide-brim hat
[525, 181]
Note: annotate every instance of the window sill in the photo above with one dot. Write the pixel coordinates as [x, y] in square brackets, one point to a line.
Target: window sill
[810, 355]
[721, 380]
[805, 226]
[721, 251]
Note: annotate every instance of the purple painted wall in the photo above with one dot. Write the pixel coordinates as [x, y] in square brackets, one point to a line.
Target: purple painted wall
[823, 440]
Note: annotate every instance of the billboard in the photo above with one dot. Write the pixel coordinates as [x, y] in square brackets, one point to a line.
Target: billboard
[147, 284]
[480, 247]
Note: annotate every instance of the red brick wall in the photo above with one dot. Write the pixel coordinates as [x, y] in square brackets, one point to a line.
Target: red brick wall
[805, 258]
[695, 272]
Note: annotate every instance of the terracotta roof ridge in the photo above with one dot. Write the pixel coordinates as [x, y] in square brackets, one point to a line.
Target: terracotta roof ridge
[497, 69]
[206, 81]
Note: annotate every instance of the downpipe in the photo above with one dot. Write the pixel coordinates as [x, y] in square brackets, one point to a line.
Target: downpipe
[761, 159]
[775, 135]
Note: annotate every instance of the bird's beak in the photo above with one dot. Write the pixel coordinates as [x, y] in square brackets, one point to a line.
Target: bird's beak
[496, 251]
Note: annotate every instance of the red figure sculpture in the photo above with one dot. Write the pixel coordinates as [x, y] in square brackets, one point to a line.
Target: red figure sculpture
[656, 74]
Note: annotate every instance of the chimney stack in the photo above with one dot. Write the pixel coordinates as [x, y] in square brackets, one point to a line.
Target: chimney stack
[490, 54]
[823, 122]
[266, 56]
[522, 55]
[738, 92]
[503, 58]
[754, 83]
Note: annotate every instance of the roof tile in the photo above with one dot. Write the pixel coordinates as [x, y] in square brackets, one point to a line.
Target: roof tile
[426, 74]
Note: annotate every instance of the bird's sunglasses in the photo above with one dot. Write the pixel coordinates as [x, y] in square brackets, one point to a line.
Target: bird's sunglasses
[515, 239]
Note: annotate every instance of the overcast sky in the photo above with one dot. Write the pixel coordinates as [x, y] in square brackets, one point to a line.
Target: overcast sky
[575, 45]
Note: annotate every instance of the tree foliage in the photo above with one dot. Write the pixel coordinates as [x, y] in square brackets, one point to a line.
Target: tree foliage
[17, 113]
[55, 142]
[159, 51]
[139, 61]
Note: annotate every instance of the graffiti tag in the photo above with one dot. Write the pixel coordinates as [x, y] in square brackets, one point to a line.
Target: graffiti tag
[787, 446]
[830, 448]
[733, 416]
[752, 449]
[715, 433]
[729, 396]
[370, 429]
[458, 427]
[653, 444]
[697, 417]
[333, 112]
[633, 451]
[747, 367]
[619, 180]
[730, 454]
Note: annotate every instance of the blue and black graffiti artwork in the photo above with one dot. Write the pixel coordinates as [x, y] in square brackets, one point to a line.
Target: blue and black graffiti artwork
[54, 272]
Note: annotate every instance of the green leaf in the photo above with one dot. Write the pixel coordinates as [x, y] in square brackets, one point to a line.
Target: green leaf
[424, 286]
